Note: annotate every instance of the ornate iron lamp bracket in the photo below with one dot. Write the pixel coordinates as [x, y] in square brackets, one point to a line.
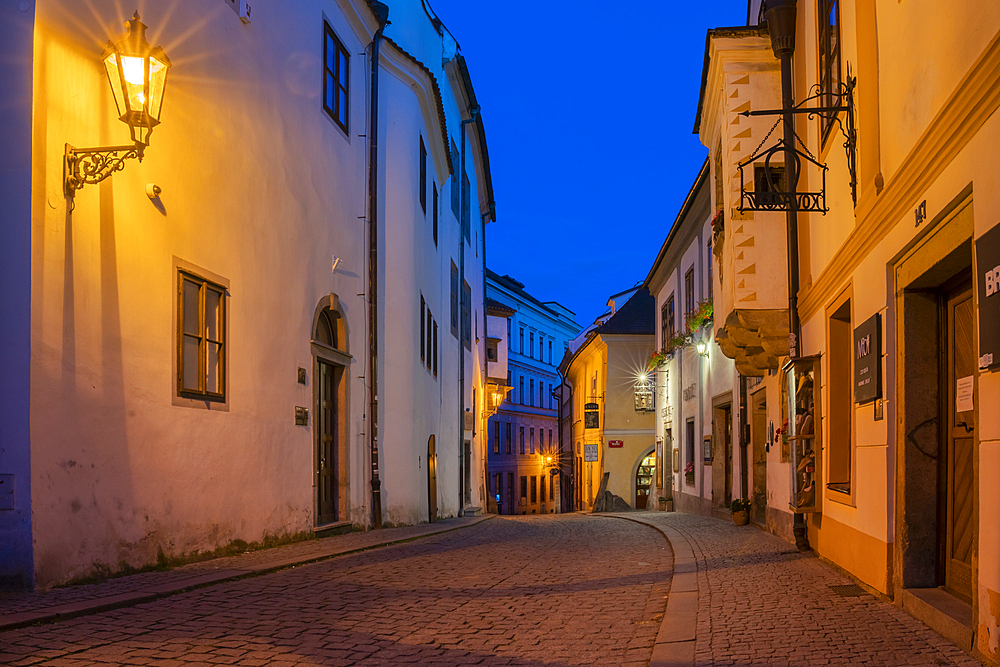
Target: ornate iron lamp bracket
[86, 166]
[830, 113]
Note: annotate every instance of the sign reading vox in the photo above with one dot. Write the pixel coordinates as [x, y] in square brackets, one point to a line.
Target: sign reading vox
[988, 285]
[868, 360]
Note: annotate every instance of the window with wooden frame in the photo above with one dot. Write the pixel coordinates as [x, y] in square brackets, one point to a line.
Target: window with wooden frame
[840, 389]
[496, 440]
[423, 328]
[434, 214]
[531, 440]
[423, 176]
[708, 263]
[435, 355]
[689, 291]
[531, 344]
[520, 433]
[336, 77]
[201, 326]
[430, 331]
[467, 315]
[829, 59]
[668, 324]
[507, 438]
[531, 402]
[534, 489]
[454, 300]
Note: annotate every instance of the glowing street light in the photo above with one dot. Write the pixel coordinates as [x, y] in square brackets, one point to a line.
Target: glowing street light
[137, 73]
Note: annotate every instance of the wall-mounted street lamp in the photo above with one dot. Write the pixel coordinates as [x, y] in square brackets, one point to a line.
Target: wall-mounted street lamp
[702, 347]
[137, 73]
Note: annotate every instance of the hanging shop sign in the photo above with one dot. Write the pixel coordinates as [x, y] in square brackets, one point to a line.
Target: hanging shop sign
[591, 415]
[988, 284]
[868, 360]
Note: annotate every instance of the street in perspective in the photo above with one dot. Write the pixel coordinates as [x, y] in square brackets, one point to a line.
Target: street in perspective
[440, 332]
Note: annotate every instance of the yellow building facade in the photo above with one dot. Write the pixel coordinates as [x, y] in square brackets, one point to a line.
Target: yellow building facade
[893, 456]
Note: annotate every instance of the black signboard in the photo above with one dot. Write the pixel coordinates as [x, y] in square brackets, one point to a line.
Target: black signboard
[988, 284]
[591, 415]
[868, 360]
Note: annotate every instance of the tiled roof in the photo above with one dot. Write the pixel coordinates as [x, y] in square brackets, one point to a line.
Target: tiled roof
[637, 316]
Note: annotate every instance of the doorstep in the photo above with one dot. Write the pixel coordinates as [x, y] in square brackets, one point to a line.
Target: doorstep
[331, 529]
[942, 612]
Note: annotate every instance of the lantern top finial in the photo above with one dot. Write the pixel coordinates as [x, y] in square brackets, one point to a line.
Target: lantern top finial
[136, 28]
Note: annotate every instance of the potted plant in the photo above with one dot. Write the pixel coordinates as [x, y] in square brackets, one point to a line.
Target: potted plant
[689, 473]
[741, 511]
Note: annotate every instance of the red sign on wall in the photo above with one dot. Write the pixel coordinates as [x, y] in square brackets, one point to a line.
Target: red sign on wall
[616, 443]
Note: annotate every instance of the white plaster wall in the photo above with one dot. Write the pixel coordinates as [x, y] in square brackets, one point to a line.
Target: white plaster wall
[119, 472]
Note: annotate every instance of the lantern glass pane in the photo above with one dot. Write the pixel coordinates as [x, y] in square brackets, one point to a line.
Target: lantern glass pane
[114, 78]
[134, 71]
[157, 82]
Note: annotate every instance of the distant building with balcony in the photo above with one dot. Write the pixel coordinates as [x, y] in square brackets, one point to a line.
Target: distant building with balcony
[523, 449]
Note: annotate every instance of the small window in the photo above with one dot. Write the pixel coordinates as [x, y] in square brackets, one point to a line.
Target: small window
[454, 300]
[466, 207]
[326, 329]
[688, 291]
[435, 355]
[423, 176]
[467, 315]
[524, 489]
[336, 77]
[708, 261]
[531, 440]
[531, 345]
[201, 353]
[531, 398]
[430, 337]
[541, 346]
[434, 214]
[520, 391]
[829, 59]
[423, 329]
[550, 352]
[456, 201]
[491, 349]
[667, 323]
[534, 489]
[520, 430]
[496, 438]
[541, 487]
[520, 345]
[508, 336]
[552, 490]
[507, 437]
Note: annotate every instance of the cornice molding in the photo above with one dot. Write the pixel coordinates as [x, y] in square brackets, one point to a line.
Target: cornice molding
[975, 99]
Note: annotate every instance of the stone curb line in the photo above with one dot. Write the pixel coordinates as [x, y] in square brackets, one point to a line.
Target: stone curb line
[675, 640]
[196, 580]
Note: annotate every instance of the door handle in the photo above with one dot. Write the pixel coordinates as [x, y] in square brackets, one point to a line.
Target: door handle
[968, 429]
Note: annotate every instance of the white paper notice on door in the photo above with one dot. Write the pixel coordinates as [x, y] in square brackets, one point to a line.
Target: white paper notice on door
[963, 394]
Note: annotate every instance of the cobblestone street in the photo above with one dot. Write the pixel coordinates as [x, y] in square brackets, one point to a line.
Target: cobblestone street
[549, 590]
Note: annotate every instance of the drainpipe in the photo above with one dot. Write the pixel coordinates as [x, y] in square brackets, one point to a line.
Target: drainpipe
[780, 17]
[473, 113]
[485, 368]
[382, 13]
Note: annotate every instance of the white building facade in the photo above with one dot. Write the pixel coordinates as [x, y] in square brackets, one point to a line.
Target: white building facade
[217, 358]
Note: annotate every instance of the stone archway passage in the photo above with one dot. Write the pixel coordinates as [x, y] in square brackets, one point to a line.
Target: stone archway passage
[644, 480]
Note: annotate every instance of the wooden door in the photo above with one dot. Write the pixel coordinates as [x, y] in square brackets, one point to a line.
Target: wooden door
[326, 444]
[961, 530]
[727, 442]
[760, 448]
[643, 480]
[432, 475]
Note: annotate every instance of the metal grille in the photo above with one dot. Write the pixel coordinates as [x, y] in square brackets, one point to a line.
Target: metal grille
[848, 590]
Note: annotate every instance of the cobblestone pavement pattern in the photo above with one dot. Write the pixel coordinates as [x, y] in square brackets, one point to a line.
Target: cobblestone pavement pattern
[762, 603]
[533, 591]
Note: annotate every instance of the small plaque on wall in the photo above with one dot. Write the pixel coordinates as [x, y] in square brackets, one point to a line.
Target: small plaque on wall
[707, 446]
[868, 360]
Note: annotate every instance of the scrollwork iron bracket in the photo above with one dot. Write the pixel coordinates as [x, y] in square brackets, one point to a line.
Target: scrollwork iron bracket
[831, 113]
[86, 166]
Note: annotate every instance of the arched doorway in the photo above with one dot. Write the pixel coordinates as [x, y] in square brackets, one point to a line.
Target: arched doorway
[432, 493]
[329, 347]
[644, 479]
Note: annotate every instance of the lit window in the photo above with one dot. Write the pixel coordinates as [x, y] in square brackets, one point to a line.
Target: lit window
[829, 58]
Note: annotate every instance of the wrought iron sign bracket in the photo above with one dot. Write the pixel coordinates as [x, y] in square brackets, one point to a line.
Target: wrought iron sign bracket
[805, 201]
[87, 166]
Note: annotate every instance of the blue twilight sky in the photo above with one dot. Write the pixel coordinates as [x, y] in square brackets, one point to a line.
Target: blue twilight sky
[589, 109]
